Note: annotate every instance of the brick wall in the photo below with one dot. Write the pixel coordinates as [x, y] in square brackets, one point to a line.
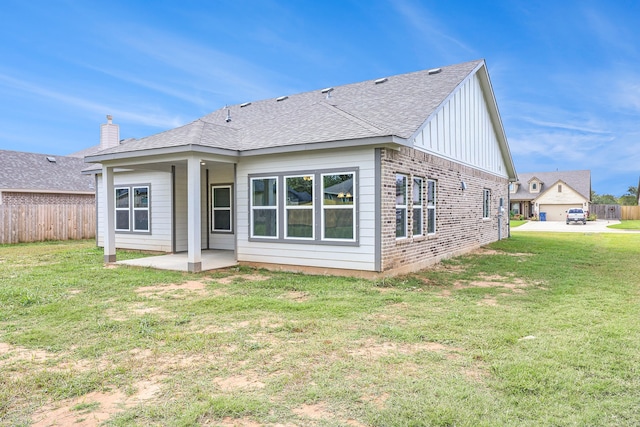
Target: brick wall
[15, 199]
[459, 224]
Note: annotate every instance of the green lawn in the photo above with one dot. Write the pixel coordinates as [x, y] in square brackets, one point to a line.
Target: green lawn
[627, 225]
[537, 330]
[517, 222]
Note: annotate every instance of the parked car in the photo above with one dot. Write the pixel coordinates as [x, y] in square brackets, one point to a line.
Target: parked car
[576, 215]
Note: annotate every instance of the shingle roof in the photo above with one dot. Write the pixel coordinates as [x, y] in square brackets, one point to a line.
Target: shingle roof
[39, 172]
[579, 180]
[396, 107]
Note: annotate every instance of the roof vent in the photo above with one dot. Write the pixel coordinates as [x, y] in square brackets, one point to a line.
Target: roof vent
[382, 80]
[246, 104]
[51, 159]
[434, 71]
[327, 91]
[228, 119]
[282, 98]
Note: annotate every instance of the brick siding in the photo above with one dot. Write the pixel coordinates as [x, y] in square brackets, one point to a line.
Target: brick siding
[15, 199]
[460, 226]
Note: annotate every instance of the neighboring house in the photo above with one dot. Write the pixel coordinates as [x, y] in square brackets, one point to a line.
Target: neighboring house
[552, 193]
[42, 179]
[387, 175]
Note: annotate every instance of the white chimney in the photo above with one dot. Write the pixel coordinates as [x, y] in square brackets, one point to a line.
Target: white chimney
[109, 134]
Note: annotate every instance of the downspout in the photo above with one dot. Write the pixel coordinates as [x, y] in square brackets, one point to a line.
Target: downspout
[500, 210]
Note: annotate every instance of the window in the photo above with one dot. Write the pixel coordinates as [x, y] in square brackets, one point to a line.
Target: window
[299, 207]
[122, 209]
[401, 206]
[140, 208]
[317, 207]
[486, 203]
[264, 207]
[559, 188]
[132, 202]
[221, 209]
[431, 206]
[338, 206]
[512, 187]
[417, 198]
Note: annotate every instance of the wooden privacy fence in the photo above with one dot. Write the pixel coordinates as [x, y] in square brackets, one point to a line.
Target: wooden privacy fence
[630, 212]
[36, 223]
[616, 212]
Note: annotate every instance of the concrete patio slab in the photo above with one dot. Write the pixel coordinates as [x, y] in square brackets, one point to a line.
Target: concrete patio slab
[211, 260]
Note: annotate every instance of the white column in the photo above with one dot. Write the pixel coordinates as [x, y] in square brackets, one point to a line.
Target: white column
[107, 200]
[194, 229]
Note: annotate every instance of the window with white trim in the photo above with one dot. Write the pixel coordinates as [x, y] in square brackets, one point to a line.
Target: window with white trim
[221, 208]
[314, 206]
[418, 199]
[264, 207]
[431, 206]
[338, 206]
[132, 206]
[123, 209]
[486, 203]
[299, 207]
[401, 206]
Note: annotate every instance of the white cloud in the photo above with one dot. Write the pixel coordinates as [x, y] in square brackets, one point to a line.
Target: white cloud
[145, 118]
[430, 29]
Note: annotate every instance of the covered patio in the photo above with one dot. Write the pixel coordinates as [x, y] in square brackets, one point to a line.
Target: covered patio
[211, 260]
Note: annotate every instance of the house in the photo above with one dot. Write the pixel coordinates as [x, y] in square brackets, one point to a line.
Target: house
[382, 176]
[40, 179]
[550, 193]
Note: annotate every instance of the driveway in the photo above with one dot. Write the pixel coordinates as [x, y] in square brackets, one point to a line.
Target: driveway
[599, 226]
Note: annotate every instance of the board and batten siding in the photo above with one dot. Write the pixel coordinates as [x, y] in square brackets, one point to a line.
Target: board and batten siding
[462, 130]
[160, 210]
[361, 257]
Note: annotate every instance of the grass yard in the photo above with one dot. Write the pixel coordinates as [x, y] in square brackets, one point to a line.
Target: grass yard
[537, 330]
[517, 222]
[627, 225]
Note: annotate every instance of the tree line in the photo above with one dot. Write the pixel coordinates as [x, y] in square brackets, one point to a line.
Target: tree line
[630, 198]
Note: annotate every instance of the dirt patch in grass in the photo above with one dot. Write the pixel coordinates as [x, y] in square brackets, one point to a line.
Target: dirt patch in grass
[242, 277]
[514, 284]
[239, 382]
[180, 290]
[92, 409]
[375, 350]
[297, 296]
[10, 354]
[487, 251]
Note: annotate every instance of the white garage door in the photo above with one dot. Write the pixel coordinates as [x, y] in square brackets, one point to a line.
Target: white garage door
[557, 212]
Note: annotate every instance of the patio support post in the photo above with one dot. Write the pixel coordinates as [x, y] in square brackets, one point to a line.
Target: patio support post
[194, 229]
[109, 225]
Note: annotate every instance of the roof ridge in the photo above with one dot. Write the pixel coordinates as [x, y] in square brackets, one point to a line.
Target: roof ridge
[358, 120]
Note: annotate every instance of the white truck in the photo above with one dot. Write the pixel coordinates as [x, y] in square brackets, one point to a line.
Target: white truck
[576, 215]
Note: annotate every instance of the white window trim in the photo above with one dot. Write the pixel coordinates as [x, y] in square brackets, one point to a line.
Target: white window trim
[404, 206]
[418, 206]
[351, 207]
[127, 209]
[486, 203]
[253, 207]
[134, 209]
[131, 209]
[311, 207]
[432, 207]
[215, 209]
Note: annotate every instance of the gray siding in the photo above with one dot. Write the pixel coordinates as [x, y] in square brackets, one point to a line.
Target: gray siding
[360, 257]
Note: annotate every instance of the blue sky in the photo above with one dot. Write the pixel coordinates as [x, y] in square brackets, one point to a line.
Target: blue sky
[565, 73]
